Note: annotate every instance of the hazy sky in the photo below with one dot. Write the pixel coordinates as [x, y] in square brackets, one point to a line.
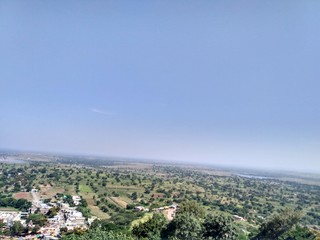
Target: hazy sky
[223, 82]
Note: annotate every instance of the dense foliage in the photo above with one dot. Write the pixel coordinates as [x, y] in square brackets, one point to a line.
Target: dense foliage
[207, 202]
[278, 225]
[97, 234]
[219, 227]
[151, 228]
[20, 204]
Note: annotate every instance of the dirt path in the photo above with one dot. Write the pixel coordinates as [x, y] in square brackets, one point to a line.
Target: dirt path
[169, 213]
[35, 196]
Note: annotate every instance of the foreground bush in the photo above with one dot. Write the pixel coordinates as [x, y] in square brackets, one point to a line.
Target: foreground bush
[97, 234]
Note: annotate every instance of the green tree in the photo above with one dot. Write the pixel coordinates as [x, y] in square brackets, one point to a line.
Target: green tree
[134, 196]
[219, 227]
[52, 212]
[184, 226]
[35, 230]
[106, 225]
[151, 228]
[97, 234]
[17, 229]
[298, 233]
[37, 219]
[193, 208]
[278, 225]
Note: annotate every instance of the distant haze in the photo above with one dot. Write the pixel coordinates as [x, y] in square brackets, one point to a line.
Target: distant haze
[225, 82]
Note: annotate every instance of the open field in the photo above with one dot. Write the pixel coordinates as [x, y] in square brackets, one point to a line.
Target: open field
[50, 192]
[145, 218]
[108, 191]
[117, 187]
[8, 209]
[23, 195]
[119, 201]
[69, 189]
[96, 211]
[85, 189]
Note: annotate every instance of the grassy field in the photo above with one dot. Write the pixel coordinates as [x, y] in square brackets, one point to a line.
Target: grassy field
[85, 189]
[8, 209]
[119, 201]
[145, 218]
[50, 192]
[95, 210]
[108, 190]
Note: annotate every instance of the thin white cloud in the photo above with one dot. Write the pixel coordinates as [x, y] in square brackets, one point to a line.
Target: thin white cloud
[99, 111]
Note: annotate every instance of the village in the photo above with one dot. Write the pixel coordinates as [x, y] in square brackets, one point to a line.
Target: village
[67, 218]
[44, 201]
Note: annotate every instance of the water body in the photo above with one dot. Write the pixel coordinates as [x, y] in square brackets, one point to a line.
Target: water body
[253, 176]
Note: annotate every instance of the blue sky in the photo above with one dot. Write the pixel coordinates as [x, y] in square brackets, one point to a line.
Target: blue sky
[223, 82]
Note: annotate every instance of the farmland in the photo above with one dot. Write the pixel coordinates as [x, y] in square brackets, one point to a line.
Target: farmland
[112, 190]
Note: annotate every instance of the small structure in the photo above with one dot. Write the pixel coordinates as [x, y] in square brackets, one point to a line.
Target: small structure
[49, 237]
[139, 209]
[75, 219]
[91, 220]
[76, 200]
[54, 220]
[44, 208]
[238, 218]
[24, 215]
[157, 195]
[9, 217]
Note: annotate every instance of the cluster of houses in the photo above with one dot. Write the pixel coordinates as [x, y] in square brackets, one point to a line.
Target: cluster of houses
[8, 217]
[67, 218]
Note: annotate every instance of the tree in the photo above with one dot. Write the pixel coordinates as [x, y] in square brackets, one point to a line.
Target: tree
[193, 208]
[97, 234]
[17, 229]
[151, 228]
[134, 196]
[184, 226]
[35, 230]
[298, 233]
[130, 206]
[37, 219]
[105, 225]
[219, 227]
[278, 225]
[52, 212]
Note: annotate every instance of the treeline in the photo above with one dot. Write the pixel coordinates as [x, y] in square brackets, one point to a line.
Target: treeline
[21, 204]
[192, 222]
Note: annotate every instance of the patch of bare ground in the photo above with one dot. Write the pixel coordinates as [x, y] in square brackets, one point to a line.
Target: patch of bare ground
[169, 213]
[23, 195]
[48, 191]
